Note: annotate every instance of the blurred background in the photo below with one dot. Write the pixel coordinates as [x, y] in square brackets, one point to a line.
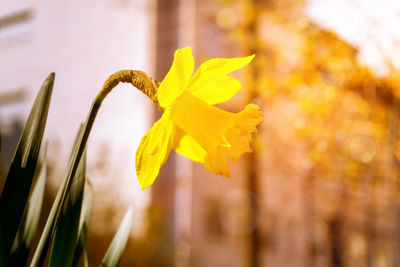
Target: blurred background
[321, 188]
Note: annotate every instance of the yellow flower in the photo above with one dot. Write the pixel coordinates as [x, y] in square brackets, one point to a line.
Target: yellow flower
[191, 125]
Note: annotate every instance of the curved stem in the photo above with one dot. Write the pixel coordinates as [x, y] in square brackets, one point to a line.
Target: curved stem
[137, 78]
[141, 81]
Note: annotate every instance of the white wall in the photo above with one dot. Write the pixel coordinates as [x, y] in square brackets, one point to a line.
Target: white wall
[84, 42]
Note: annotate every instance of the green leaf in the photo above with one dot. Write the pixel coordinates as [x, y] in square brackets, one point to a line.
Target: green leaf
[81, 249]
[67, 231]
[26, 233]
[87, 206]
[20, 176]
[117, 247]
[49, 229]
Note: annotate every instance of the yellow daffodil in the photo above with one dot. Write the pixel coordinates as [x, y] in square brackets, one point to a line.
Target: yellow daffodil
[190, 124]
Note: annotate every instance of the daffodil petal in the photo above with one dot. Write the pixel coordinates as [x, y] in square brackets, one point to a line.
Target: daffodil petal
[177, 78]
[213, 72]
[153, 151]
[186, 146]
[216, 90]
[223, 66]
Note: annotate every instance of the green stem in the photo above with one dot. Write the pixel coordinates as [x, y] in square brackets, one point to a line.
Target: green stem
[138, 79]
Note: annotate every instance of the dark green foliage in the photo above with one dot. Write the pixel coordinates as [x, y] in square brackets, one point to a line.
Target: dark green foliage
[20, 176]
[50, 227]
[64, 237]
[24, 239]
[67, 231]
[81, 249]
